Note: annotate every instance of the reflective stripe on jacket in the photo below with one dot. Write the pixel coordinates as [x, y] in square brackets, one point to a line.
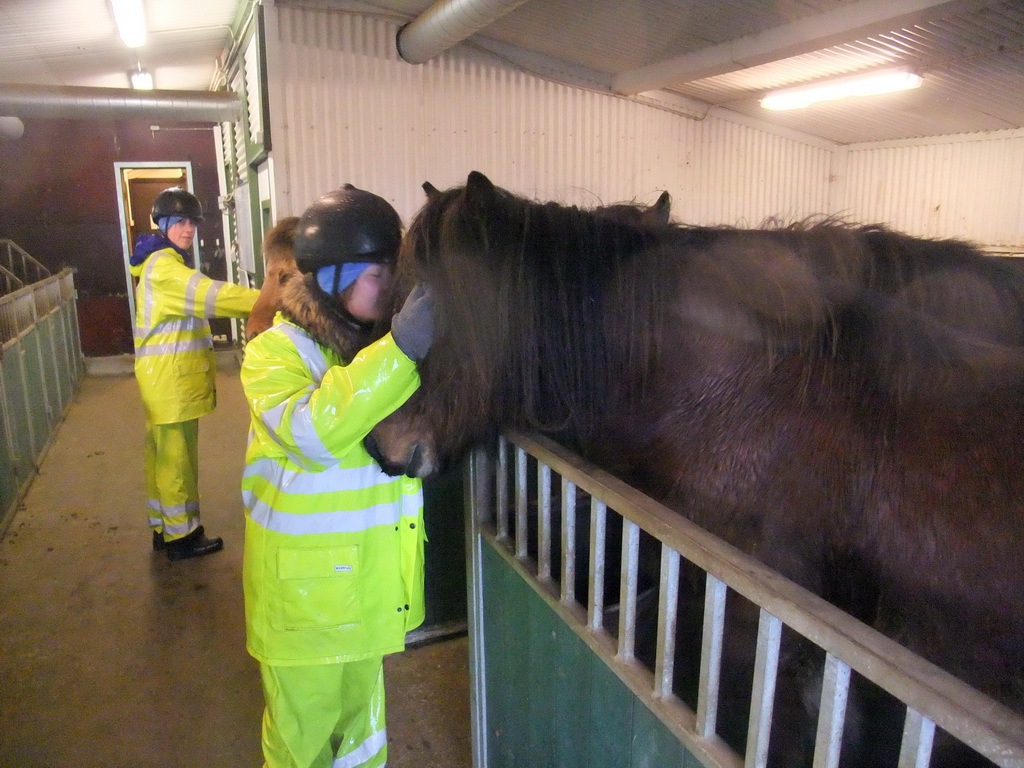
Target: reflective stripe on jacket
[333, 560]
[174, 360]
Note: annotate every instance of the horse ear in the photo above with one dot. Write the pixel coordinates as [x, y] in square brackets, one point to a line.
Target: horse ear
[431, 191]
[659, 212]
[479, 190]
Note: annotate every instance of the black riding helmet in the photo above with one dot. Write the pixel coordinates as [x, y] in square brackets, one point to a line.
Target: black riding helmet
[346, 226]
[176, 201]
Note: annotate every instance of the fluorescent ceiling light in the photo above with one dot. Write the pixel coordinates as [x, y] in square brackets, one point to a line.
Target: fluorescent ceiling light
[131, 22]
[869, 84]
[141, 80]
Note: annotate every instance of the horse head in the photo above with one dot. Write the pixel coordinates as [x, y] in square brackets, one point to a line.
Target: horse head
[518, 284]
[419, 437]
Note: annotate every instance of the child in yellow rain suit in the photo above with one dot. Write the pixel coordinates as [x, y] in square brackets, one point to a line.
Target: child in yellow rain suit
[333, 562]
[175, 367]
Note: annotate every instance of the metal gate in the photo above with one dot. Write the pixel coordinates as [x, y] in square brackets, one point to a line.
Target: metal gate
[555, 670]
[40, 367]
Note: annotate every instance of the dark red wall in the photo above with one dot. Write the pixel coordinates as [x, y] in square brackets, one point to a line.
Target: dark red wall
[58, 201]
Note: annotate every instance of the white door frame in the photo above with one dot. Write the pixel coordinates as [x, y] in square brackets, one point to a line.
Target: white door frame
[126, 246]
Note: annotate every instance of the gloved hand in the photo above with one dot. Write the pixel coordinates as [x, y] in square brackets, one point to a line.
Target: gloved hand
[413, 326]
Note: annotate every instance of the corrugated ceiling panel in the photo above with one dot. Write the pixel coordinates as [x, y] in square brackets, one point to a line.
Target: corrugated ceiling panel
[961, 59]
[613, 36]
[995, 85]
[841, 60]
[925, 112]
[930, 48]
[352, 112]
[52, 30]
[76, 43]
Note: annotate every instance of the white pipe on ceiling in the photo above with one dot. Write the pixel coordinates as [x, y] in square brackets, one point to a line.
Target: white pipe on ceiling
[447, 23]
[73, 102]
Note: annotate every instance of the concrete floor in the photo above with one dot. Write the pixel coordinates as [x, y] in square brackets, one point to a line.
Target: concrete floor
[111, 656]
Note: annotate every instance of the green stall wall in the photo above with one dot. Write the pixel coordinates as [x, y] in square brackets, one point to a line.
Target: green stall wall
[550, 701]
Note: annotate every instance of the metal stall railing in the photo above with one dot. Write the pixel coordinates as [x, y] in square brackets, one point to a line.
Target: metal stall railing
[516, 523]
[17, 267]
[40, 367]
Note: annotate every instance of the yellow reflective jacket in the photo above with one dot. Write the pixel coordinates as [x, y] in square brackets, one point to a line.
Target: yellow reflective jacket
[333, 562]
[174, 361]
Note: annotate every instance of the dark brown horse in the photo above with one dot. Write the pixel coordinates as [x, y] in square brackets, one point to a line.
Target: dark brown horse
[845, 403]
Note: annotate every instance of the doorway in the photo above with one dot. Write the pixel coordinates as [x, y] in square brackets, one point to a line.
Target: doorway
[138, 184]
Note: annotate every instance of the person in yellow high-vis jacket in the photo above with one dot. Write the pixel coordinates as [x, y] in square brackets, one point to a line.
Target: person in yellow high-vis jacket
[333, 562]
[175, 367]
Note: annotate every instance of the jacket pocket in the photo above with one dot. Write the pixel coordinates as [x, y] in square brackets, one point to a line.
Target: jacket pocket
[317, 588]
[194, 376]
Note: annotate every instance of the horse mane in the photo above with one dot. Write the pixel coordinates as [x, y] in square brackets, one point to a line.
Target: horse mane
[553, 311]
[279, 257]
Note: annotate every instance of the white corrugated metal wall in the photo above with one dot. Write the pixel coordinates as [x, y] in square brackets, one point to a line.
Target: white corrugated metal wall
[969, 186]
[345, 108]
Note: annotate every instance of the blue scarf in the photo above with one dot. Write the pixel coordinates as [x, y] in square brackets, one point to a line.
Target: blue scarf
[149, 244]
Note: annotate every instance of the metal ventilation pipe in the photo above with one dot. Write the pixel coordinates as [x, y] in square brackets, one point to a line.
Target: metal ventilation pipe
[447, 23]
[36, 101]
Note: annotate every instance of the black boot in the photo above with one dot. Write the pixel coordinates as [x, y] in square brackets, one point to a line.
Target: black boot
[194, 545]
[158, 541]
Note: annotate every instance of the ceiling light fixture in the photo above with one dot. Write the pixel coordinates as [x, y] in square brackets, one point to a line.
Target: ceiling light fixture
[141, 80]
[887, 81]
[131, 22]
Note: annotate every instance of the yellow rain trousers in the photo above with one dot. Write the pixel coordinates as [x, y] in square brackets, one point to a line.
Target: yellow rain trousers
[325, 715]
[175, 368]
[172, 476]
